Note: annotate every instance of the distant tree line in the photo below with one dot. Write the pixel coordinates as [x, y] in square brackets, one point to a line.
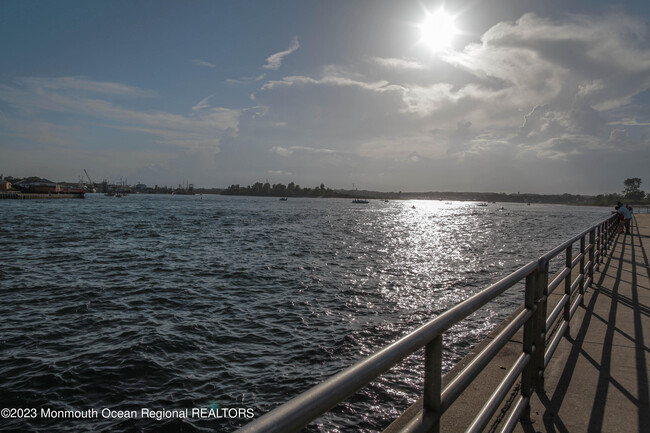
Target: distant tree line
[280, 190]
[631, 194]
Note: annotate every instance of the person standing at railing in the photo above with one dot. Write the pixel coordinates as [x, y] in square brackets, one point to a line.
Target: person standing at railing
[626, 214]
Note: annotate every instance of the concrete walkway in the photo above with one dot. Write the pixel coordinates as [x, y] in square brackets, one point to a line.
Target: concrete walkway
[597, 381]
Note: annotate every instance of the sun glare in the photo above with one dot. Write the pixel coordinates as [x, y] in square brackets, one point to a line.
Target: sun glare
[438, 30]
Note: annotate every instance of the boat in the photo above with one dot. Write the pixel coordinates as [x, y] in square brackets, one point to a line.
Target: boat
[283, 199]
[360, 201]
[482, 204]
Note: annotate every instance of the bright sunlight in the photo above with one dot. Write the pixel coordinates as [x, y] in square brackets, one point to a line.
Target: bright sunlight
[438, 30]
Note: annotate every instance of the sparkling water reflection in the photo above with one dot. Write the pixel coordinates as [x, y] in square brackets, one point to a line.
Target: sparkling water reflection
[183, 302]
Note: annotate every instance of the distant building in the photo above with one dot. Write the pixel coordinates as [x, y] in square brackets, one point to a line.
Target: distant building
[5, 185]
[36, 185]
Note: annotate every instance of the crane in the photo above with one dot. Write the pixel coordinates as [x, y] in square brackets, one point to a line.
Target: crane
[92, 185]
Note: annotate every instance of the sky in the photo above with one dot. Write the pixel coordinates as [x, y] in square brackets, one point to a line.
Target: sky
[511, 96]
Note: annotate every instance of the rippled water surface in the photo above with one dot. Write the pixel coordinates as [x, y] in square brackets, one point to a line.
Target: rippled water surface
[174, 302]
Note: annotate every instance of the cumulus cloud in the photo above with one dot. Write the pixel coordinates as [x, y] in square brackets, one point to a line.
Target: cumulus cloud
[275, 60]
[530, 90]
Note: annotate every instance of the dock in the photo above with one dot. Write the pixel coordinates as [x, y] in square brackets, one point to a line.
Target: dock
[573, 358]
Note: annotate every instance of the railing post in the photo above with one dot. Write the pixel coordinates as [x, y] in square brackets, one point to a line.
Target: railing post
[567, 285]
[541, 289]
[599, 240]
[433, 381]
[602, 231]
[532, 377]
[592, 247]
[582, 267]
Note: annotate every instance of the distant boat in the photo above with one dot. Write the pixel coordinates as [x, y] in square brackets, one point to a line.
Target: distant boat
[360, 201]
[482, 204]
[283, 199]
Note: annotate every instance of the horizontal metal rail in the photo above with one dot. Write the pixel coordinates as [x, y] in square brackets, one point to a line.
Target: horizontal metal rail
[454, 389]
[499, 394]
[558, 279]
[559, 308]
[554, 343]
[513, 419]
[306, 407]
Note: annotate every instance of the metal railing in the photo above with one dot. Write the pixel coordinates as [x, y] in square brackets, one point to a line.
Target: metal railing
[529, 366]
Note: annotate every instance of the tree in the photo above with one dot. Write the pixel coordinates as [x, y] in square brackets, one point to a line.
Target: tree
[632, 189]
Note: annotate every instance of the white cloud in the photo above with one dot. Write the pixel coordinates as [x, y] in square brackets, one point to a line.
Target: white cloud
[275, 60]
[330, 81]
[235, 82]
[279, 173]
[282, 151]
[205, 124]
[532, 90]
[399, 63]
[200, 62]
[83, 85]
[202, 104]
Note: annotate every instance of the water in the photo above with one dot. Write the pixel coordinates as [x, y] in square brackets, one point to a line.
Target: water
[189, 302]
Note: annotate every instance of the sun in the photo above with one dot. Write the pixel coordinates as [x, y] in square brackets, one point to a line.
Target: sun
[438, 30]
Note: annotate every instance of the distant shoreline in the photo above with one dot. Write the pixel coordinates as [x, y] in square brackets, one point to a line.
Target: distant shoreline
[292, 190]
[606, 200]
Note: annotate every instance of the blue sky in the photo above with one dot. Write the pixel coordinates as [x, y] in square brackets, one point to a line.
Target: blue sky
[530, 96]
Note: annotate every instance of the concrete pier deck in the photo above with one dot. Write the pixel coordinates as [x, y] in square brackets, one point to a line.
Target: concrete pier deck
[597, 381]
